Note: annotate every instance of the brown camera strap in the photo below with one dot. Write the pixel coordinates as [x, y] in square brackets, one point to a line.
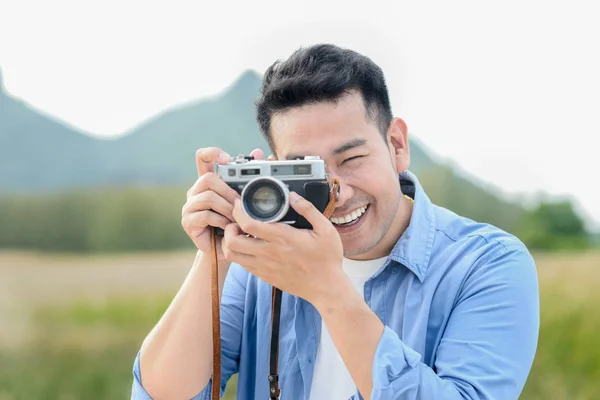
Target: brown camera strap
[275, 314]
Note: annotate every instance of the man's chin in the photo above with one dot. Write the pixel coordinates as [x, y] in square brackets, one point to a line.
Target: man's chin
[356, 247]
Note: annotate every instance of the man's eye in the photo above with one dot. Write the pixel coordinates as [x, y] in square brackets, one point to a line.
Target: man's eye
[352, 158]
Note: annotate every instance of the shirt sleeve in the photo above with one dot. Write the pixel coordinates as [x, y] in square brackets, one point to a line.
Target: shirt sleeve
[489, 343]
[232, 317]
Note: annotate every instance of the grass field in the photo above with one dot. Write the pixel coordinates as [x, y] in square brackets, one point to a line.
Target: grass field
[70, 326]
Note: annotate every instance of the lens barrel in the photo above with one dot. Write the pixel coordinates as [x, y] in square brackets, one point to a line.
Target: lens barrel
[265, 199]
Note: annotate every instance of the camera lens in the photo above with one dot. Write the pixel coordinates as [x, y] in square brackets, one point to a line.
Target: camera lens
[265, 199]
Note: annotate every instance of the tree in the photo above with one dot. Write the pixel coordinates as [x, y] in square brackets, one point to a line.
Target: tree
[554, 225]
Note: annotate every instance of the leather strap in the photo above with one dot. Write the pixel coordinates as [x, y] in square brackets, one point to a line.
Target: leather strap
[274, 348]
[273, 377]
[216, 319]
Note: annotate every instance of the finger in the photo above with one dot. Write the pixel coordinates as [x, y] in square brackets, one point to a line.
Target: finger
[305, 208]
[198, 221]
[272, 158]
[263, 230]
[236, 240]
[233, 229]
[210, 181]
[233, 233]
[207, 156]
[249, 263]
[209, 200]
[258, 154]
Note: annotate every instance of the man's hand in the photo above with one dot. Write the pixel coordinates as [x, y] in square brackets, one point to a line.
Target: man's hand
[303, 262]
[209, 200]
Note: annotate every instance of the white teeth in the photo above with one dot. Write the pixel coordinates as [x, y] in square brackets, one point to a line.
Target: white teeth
[350, 217]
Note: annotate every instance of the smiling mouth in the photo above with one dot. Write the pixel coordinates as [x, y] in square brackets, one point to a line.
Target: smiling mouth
[350, 218]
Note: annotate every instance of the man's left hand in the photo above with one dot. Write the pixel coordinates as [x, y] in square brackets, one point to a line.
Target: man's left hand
[303, 262]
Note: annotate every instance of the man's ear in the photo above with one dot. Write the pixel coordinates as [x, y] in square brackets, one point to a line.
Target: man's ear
[397, 140]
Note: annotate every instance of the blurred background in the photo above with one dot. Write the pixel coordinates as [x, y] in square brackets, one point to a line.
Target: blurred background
[103, 105]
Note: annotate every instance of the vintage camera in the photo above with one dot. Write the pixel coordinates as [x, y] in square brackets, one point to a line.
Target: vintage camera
[264, 186]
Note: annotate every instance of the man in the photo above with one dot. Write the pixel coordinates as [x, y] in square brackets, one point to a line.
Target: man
[393, 297]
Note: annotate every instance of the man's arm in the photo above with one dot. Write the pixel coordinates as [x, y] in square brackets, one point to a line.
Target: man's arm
[486, 352]
[175, 360]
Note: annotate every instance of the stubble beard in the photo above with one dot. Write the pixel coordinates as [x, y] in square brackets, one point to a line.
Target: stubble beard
[368, 244]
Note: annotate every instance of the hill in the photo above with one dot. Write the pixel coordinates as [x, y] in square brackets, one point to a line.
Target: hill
[39, 153]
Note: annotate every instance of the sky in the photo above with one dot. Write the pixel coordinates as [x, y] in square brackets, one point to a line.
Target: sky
[508, 91]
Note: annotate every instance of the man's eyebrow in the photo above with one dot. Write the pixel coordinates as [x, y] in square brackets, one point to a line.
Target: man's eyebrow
[338, 150]
[293, 157]
[348, 146]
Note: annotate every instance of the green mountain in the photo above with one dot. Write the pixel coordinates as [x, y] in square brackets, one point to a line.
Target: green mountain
[38, 153]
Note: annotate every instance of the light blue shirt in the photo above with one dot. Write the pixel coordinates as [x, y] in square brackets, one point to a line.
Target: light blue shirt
[460, 305]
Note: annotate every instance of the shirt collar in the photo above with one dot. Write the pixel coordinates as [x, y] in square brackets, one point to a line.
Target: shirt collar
[413, 249]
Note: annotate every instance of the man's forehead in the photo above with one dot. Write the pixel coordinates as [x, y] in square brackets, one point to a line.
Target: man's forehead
[337, 149]
[322, 128]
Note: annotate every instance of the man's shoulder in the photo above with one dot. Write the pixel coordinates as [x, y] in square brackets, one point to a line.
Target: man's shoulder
[469, 248]
[471, 257]
[450, 243]
[461, 231]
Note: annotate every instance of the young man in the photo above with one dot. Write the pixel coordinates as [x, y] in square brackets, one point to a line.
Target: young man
[393, 297]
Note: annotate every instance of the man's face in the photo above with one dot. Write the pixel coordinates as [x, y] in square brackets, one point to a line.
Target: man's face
[366, 165]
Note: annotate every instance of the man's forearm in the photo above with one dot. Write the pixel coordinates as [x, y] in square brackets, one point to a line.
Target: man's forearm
[176, 357]
[355, 331]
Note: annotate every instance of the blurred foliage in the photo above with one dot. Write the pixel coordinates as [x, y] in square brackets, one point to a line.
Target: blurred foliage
[128, 219]
[82, 351]
[554, 225]
[149, 218]
[85, 350]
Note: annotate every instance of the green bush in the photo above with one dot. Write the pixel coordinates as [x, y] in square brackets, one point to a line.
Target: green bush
[128, 219]
[149, 218]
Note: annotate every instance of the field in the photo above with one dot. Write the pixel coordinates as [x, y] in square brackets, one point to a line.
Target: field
[70, 326]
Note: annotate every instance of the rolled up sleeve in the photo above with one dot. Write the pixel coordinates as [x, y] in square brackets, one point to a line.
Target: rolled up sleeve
[488, 345]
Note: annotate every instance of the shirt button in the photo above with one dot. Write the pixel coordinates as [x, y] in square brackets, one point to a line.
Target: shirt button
[310, 360]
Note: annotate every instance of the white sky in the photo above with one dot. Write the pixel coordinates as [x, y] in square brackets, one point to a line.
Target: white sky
[510, 91]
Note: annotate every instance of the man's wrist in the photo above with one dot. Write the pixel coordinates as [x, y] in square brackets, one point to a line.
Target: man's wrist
[202, 268]
[205, 260]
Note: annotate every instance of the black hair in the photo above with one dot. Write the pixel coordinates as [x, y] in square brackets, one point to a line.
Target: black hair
[322, 72]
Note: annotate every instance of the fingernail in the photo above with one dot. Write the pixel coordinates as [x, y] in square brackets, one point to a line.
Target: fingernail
[294, 197]
[223, 157]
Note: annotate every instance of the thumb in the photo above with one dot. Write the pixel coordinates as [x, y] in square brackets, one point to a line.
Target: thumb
[258, 154]
[310, 212]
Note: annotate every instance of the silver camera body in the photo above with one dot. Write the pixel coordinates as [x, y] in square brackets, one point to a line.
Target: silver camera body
[264, 186]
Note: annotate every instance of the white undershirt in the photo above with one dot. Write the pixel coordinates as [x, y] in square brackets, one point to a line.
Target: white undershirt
[331, 379]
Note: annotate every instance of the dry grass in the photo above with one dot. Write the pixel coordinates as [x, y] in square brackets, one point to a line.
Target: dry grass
[66, 310]
[31, 280]
[576, 276]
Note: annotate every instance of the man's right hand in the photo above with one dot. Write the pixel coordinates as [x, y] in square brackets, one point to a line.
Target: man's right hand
[209, 200]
